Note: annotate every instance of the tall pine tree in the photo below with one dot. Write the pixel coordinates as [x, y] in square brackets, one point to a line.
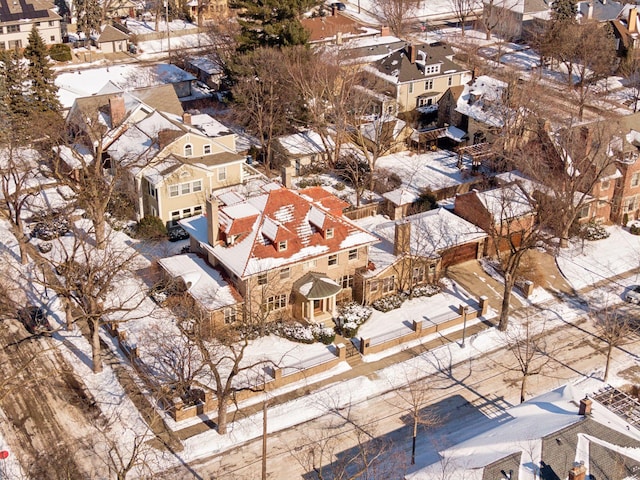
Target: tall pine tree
[89, 16]
[43, 92]
[14, 74]
[271, 23]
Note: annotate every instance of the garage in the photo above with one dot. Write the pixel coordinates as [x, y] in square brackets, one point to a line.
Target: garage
[459, 254]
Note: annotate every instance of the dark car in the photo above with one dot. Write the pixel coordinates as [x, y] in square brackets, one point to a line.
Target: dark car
[35, 320]
[633, 294]
[339, 6]
[177, 233]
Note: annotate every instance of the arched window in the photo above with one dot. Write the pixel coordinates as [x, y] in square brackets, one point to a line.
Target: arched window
[188, 150]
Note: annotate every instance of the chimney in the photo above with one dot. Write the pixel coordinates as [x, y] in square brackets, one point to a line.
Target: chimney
[402, 238]
[116, 110]
[333, 10]
[590, 11]
[186, 118]
[286, 175]
[338, 38]
[412, 53]
[585, 407]
[632, 23]
[212, 220]
[578, 472]
[166, 136]
[385, 31]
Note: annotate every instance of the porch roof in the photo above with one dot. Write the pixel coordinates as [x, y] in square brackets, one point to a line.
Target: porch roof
[315, 286]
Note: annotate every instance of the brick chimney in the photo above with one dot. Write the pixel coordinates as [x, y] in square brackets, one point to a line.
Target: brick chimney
[578, 472]
[632, 23]
[186, 118]
[585, 407]
[385, 31]
[402, 238]
[286, 176]
[166, 136]
[590, 10]
[116, 110]
[213, 226]
[412, 53]
[334, 10]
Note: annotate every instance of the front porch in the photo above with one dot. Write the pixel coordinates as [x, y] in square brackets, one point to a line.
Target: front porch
[316, 299]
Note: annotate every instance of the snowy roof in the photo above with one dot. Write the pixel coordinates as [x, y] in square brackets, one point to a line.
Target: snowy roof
[377, 129]
[523, 431]
[304, 143]
[204, 283]
[600, 10]
[260, 222]
[206, 65]
[482, 101]
[506, 202]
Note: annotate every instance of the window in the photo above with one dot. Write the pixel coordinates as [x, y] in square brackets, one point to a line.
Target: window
[411, 88]
[312, 263]
[173, 191]
[175, 215]
[333, 260]
[230, 315]
[196, 186]
[605, 185]
[635, 179]
[282, 246]
[450, 80]
[388, 284]
[432, 69]
[631, 204]
[1, 30]
[52, 38]
[353, 254]
[152, 191]
[15, 44]
[285, 273]
[262, 279]
[185, 188]
[432, 269]
[328, 233]
[197, 210]
[428, 85]
[206, 149]
[52, 23]
[346, 281]
[374, 285]
[275, 303]
[584, 212]
[222, 174]
[13, 28]
[418, 275]
[2, 45]
[188, 150]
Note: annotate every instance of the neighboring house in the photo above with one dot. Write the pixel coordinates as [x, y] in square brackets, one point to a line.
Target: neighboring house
[211, 9]
[512, 19]
[413, 251]
[599, 10]
[302, 150]
[477, 108]
[117, 9]
[560, 434]
[385, 133]
[212, 294]
[290, 254]
[113, 40]
[362, 51]
[17, 18]
[418, 75]
[335, 28]
[207, 71]
[626, 32]
[505, 213]
[176, 162]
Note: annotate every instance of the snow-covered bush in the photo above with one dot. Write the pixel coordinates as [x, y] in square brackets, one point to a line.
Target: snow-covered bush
[325, 335]
[389, 303]
[426, 290]
[350, 317]
[593, 231]
[297, 332]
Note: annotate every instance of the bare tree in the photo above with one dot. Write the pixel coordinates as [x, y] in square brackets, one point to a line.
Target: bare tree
[630, 71]
[397, 14]
[497, 15]
[463, 10]
[528, 347]
[616, 327]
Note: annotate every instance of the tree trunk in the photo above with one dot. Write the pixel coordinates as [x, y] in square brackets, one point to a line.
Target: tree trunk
[413, 445]
[564, 235]
[488, 37]
[95, 346]
[100, 229]
[608, 362]
[68, 314]
[222, 414]
[523, 387]
[506, 302]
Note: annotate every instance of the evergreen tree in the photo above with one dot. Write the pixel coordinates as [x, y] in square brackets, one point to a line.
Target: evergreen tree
[14, 76]
[271, 23]
[89, 16]
[44, 92]
[564, 11]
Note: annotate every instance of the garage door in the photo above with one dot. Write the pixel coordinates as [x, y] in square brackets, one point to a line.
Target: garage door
[459, 254]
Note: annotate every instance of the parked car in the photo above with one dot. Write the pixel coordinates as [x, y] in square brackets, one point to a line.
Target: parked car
[633, 294]
[339, 6]
[35, 320]
[177, 233]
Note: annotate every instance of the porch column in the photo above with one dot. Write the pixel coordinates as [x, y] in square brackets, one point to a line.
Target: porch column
[310, 305]
[334, 310]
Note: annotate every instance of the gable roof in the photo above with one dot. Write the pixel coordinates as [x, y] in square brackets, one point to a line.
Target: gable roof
[261, 221]
[327, 27]
[304, 143]
[17, 10]
[505, 203]
[111, 34]
[397, 67]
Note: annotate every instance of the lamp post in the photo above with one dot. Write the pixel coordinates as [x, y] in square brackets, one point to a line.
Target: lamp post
[463, 311]
[166, 19]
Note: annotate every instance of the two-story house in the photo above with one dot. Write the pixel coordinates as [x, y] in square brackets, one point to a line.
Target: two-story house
[418, 75]
[17, 18]
[289, 254]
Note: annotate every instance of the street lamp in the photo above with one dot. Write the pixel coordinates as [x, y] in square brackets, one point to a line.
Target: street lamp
[166, 19]
[463, 311]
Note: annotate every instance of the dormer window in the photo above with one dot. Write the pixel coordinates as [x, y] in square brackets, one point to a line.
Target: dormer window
[282, 246]
[188, 150]
[430, 69]
[328, 233]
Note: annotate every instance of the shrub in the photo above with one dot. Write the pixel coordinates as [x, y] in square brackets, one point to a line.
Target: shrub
[635, 229]
[426, 290]
[339, 186]
[593, 231]
[60, 52]
[310, 182]
[389, 303]
[151, 228]
[323, 334]
[297, 332]
[350, 317]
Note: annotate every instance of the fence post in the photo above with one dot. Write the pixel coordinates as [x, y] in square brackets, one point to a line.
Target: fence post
[484, 304]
